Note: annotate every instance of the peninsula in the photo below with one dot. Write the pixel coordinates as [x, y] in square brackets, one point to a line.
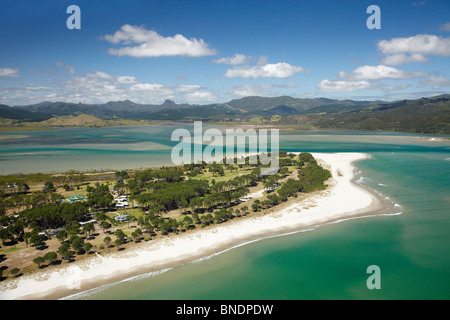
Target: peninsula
[218, 207]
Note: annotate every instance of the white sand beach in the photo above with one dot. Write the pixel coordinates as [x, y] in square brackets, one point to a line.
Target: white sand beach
[343, 199]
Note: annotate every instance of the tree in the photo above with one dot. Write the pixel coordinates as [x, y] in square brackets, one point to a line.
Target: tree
[48, 186]
[61, 235]
[183, 203]
[136, 234]
[77, 244]
[100, 215]
[26, 237]
[88, 228]
[107, 241]
[149, 228]
[73, 228]
[64, 252]
[15, 271]
[120, 234]
[99, 196]
[66, 255]
[38, 260]
[63, 247]
[120, 178]
[273, 199]
[17, 228]
[187, 222]
[3, 235]
[36, 239]
[87, 247]
[105, 225]
[117, 243]
[50, 256]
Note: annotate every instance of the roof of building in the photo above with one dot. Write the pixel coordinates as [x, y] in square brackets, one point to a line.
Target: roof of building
[76, 197]
[122, 217]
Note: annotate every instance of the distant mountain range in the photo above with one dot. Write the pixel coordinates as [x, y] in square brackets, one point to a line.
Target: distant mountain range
[426, 115]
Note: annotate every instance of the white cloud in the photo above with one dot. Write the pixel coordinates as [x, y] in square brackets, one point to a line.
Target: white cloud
[247, 91]
[101, 87]
[437, 83]
[234, 60]
[68, 68]
[199, 97]
[378, 72]
[398, 87]
[445, 27]
[100, 75]
[264, 90]
[151, 44]
[195, 94]
[71, 69]
[188, 88]
[399, 59]
[146, 87]
[277, 70]
[399, 51]
[126, 80]
[367, 77]
[342, 86]
[8, 72]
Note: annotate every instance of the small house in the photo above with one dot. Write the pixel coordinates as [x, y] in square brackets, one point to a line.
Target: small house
[76, 198]
[122, 218]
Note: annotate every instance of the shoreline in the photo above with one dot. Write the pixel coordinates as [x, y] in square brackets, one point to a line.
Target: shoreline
[342, 200]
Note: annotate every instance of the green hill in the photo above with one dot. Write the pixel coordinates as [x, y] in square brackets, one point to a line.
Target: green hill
[426, 115]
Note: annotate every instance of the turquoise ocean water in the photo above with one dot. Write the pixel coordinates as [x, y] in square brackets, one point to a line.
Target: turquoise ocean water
[411, 247]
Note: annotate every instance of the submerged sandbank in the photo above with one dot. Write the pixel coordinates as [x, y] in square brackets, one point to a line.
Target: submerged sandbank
[343, 199]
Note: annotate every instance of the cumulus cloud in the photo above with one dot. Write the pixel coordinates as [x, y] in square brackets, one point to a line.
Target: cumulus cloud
[400, 51]
[367, 77]
[397, 87]
[148, 43]
[234, 60]
[399, 59]
[199, 97]
[8, 72]
[259, 90]
[68, 68]
[276, 70]
[342, 85]
[436, 82]
[126, 80]
[195, 94]
[379, 72]
[445, 27]
[101, 87]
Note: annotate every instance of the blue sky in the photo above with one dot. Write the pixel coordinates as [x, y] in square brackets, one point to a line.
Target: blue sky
[213, 51]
